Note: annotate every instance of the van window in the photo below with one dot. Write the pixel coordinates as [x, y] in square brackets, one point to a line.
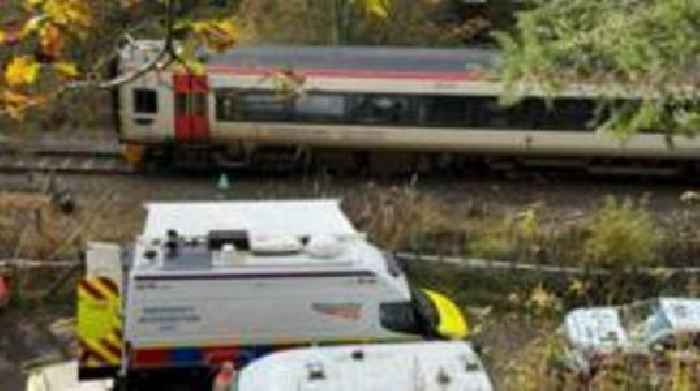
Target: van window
[417, 316]
[145, 101]
[399, 317]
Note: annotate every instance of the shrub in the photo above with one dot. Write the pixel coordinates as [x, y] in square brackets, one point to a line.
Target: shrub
[515, 236]
[621, 234]
[490, 239]
[398, 217]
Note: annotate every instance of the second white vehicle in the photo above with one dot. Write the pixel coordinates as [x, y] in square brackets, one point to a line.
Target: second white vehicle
[427, 366]
[641, 331]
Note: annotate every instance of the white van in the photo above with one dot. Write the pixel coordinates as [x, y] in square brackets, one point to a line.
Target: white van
[231, 281]
[427, 366]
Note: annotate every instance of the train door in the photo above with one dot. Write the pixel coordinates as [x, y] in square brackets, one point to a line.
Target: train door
[191, 108]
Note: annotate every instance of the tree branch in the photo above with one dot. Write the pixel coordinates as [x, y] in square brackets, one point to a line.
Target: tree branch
[165, 57]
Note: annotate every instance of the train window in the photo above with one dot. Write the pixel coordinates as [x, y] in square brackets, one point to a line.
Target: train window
[226, 108]
[145, 101]
[380, 109]
[494, 115]
[444, 111]
[559, 114]
[264, 107]
[320, 108]
[232, 106]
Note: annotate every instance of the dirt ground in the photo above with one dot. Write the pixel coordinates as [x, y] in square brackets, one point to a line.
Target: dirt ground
[560, 196]
[29, 336]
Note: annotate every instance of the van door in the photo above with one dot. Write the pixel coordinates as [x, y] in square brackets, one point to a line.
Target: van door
[191, 108]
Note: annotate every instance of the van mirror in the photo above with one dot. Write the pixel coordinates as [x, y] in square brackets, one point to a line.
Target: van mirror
[449, 319]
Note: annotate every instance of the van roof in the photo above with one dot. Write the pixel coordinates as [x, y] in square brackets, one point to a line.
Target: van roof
[289, 217]
[409, 366]
[326, 241]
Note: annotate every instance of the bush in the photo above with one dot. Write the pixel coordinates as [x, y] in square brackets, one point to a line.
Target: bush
[517, 236]
[399, 218]
[621, 234]
[489, 246]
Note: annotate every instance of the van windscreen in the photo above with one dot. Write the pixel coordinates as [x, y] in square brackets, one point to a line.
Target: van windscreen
[417, 316]
[399, 317]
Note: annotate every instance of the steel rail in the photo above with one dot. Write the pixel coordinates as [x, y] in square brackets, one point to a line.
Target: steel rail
[63, 160]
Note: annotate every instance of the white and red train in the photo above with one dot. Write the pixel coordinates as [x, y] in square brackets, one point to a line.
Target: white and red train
[363, 107]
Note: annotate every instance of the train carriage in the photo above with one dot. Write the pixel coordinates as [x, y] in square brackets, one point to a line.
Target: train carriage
[349, 106]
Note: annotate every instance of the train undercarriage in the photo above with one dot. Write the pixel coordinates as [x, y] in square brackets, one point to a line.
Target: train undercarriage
[386, 163]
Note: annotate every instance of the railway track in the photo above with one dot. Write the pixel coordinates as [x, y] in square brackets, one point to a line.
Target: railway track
[107, 159]
[63, 158]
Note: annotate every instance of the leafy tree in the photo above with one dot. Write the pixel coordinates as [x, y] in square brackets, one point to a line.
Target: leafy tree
[48, 47]
[342, 22]
[640, 57]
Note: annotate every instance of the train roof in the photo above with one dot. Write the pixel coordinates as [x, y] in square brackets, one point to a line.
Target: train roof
[358, 58]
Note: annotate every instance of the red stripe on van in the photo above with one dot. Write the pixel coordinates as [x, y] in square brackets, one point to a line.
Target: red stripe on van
[221, 354]
[150, 357]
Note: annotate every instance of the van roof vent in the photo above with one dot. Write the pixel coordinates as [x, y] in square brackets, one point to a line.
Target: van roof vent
[315, 371]
[239, 238]
[324, 246]
[227, 256]
[275, 244]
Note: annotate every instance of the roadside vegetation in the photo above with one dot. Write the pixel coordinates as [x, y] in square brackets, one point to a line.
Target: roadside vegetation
[616, 233]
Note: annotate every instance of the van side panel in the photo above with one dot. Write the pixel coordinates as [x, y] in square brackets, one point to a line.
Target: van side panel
[239, 312]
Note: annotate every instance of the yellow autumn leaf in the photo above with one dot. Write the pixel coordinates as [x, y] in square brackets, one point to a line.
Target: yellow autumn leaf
[32, 25]
[10, 97]
[22, 70]
[66, 70]
[577, 287]
[2, 37]
[218, 35]
[73, 14]
[541, 299]
[51, 40]
[15, 103]
[29, 4]
[191, 66]
[378, 8]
